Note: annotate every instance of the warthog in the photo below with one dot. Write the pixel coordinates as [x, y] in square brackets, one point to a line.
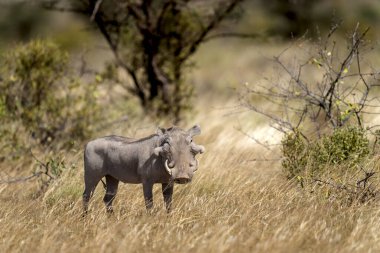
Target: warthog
[166, 157]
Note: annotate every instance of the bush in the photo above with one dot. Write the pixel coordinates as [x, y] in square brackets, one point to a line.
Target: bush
[295, 153]
[333, 166]
[348, 145]
[345, 144]
[43, 98]
[48, 172]
[322, 91]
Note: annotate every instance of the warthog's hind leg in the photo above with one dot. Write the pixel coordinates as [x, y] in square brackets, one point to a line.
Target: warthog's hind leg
[167, 192]
[111, 190]
[89, 188]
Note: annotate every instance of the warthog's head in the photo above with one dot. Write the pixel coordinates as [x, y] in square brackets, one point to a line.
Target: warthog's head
[179, 151]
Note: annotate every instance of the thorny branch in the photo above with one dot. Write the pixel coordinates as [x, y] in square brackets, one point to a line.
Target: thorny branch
[362, 191]
[37, 174]
[341, 94]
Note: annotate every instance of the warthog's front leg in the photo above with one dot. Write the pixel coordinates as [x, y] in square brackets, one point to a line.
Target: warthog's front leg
[111, 190]
[167, 191]
[148, 195]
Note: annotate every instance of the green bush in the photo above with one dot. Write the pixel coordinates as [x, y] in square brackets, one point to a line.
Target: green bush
[345, 144]
[52, 171]
[348, 145]
[43, 97]
[294, 151]
[337, 167]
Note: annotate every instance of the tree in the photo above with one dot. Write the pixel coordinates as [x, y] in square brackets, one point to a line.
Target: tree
[153, 42]
[333, 87]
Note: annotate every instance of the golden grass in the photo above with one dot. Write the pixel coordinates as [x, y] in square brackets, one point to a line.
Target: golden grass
[233, 205]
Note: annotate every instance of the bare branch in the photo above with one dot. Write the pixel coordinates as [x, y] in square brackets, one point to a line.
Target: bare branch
[220, 15]
[96, 9]
[21, 179]
[33, 176]
[331, 98]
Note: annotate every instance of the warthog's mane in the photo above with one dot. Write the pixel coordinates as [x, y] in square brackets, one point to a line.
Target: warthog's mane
[123, 139]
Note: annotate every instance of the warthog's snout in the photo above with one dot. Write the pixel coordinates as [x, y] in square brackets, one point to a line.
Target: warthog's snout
[182, 180]
[182, 176]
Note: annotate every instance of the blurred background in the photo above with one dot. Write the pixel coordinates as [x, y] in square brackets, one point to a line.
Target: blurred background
[159, 61]
[111, 63]
[25, 20]
[231, 54]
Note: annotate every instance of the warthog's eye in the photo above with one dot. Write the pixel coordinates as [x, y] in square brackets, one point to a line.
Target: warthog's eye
[189, 140]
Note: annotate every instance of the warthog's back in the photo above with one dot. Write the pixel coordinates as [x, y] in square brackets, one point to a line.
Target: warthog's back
[117, 156]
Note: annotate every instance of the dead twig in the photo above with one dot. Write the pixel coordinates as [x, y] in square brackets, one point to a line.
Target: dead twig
[37, 174]
[336, 99]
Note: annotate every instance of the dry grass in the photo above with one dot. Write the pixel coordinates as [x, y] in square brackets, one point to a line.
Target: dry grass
[233, 205]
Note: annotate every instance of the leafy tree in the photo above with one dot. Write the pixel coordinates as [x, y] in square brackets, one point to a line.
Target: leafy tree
[153, 42]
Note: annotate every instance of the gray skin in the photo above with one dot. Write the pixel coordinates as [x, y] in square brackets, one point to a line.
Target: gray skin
[167, 157]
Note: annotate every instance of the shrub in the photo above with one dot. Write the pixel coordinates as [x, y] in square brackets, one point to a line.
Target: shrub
[345, 144]
[323, 91]
[338, 166]
[43, 97]
[348, 145]
[50, 171]
[295, 153]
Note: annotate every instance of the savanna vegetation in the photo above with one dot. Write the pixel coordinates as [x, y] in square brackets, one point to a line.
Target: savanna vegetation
[286, 94]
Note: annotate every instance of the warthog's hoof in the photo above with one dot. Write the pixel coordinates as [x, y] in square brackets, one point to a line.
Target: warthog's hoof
[109, 210]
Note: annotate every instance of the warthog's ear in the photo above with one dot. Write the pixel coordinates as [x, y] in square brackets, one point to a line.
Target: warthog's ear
[195, 130]
[160, 131]
[197, 148]
[161, 149]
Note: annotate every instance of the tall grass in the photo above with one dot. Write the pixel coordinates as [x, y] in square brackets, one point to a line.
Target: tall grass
[233, 204]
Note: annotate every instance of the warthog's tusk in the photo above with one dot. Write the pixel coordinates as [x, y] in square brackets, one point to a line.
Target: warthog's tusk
[167, 167]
